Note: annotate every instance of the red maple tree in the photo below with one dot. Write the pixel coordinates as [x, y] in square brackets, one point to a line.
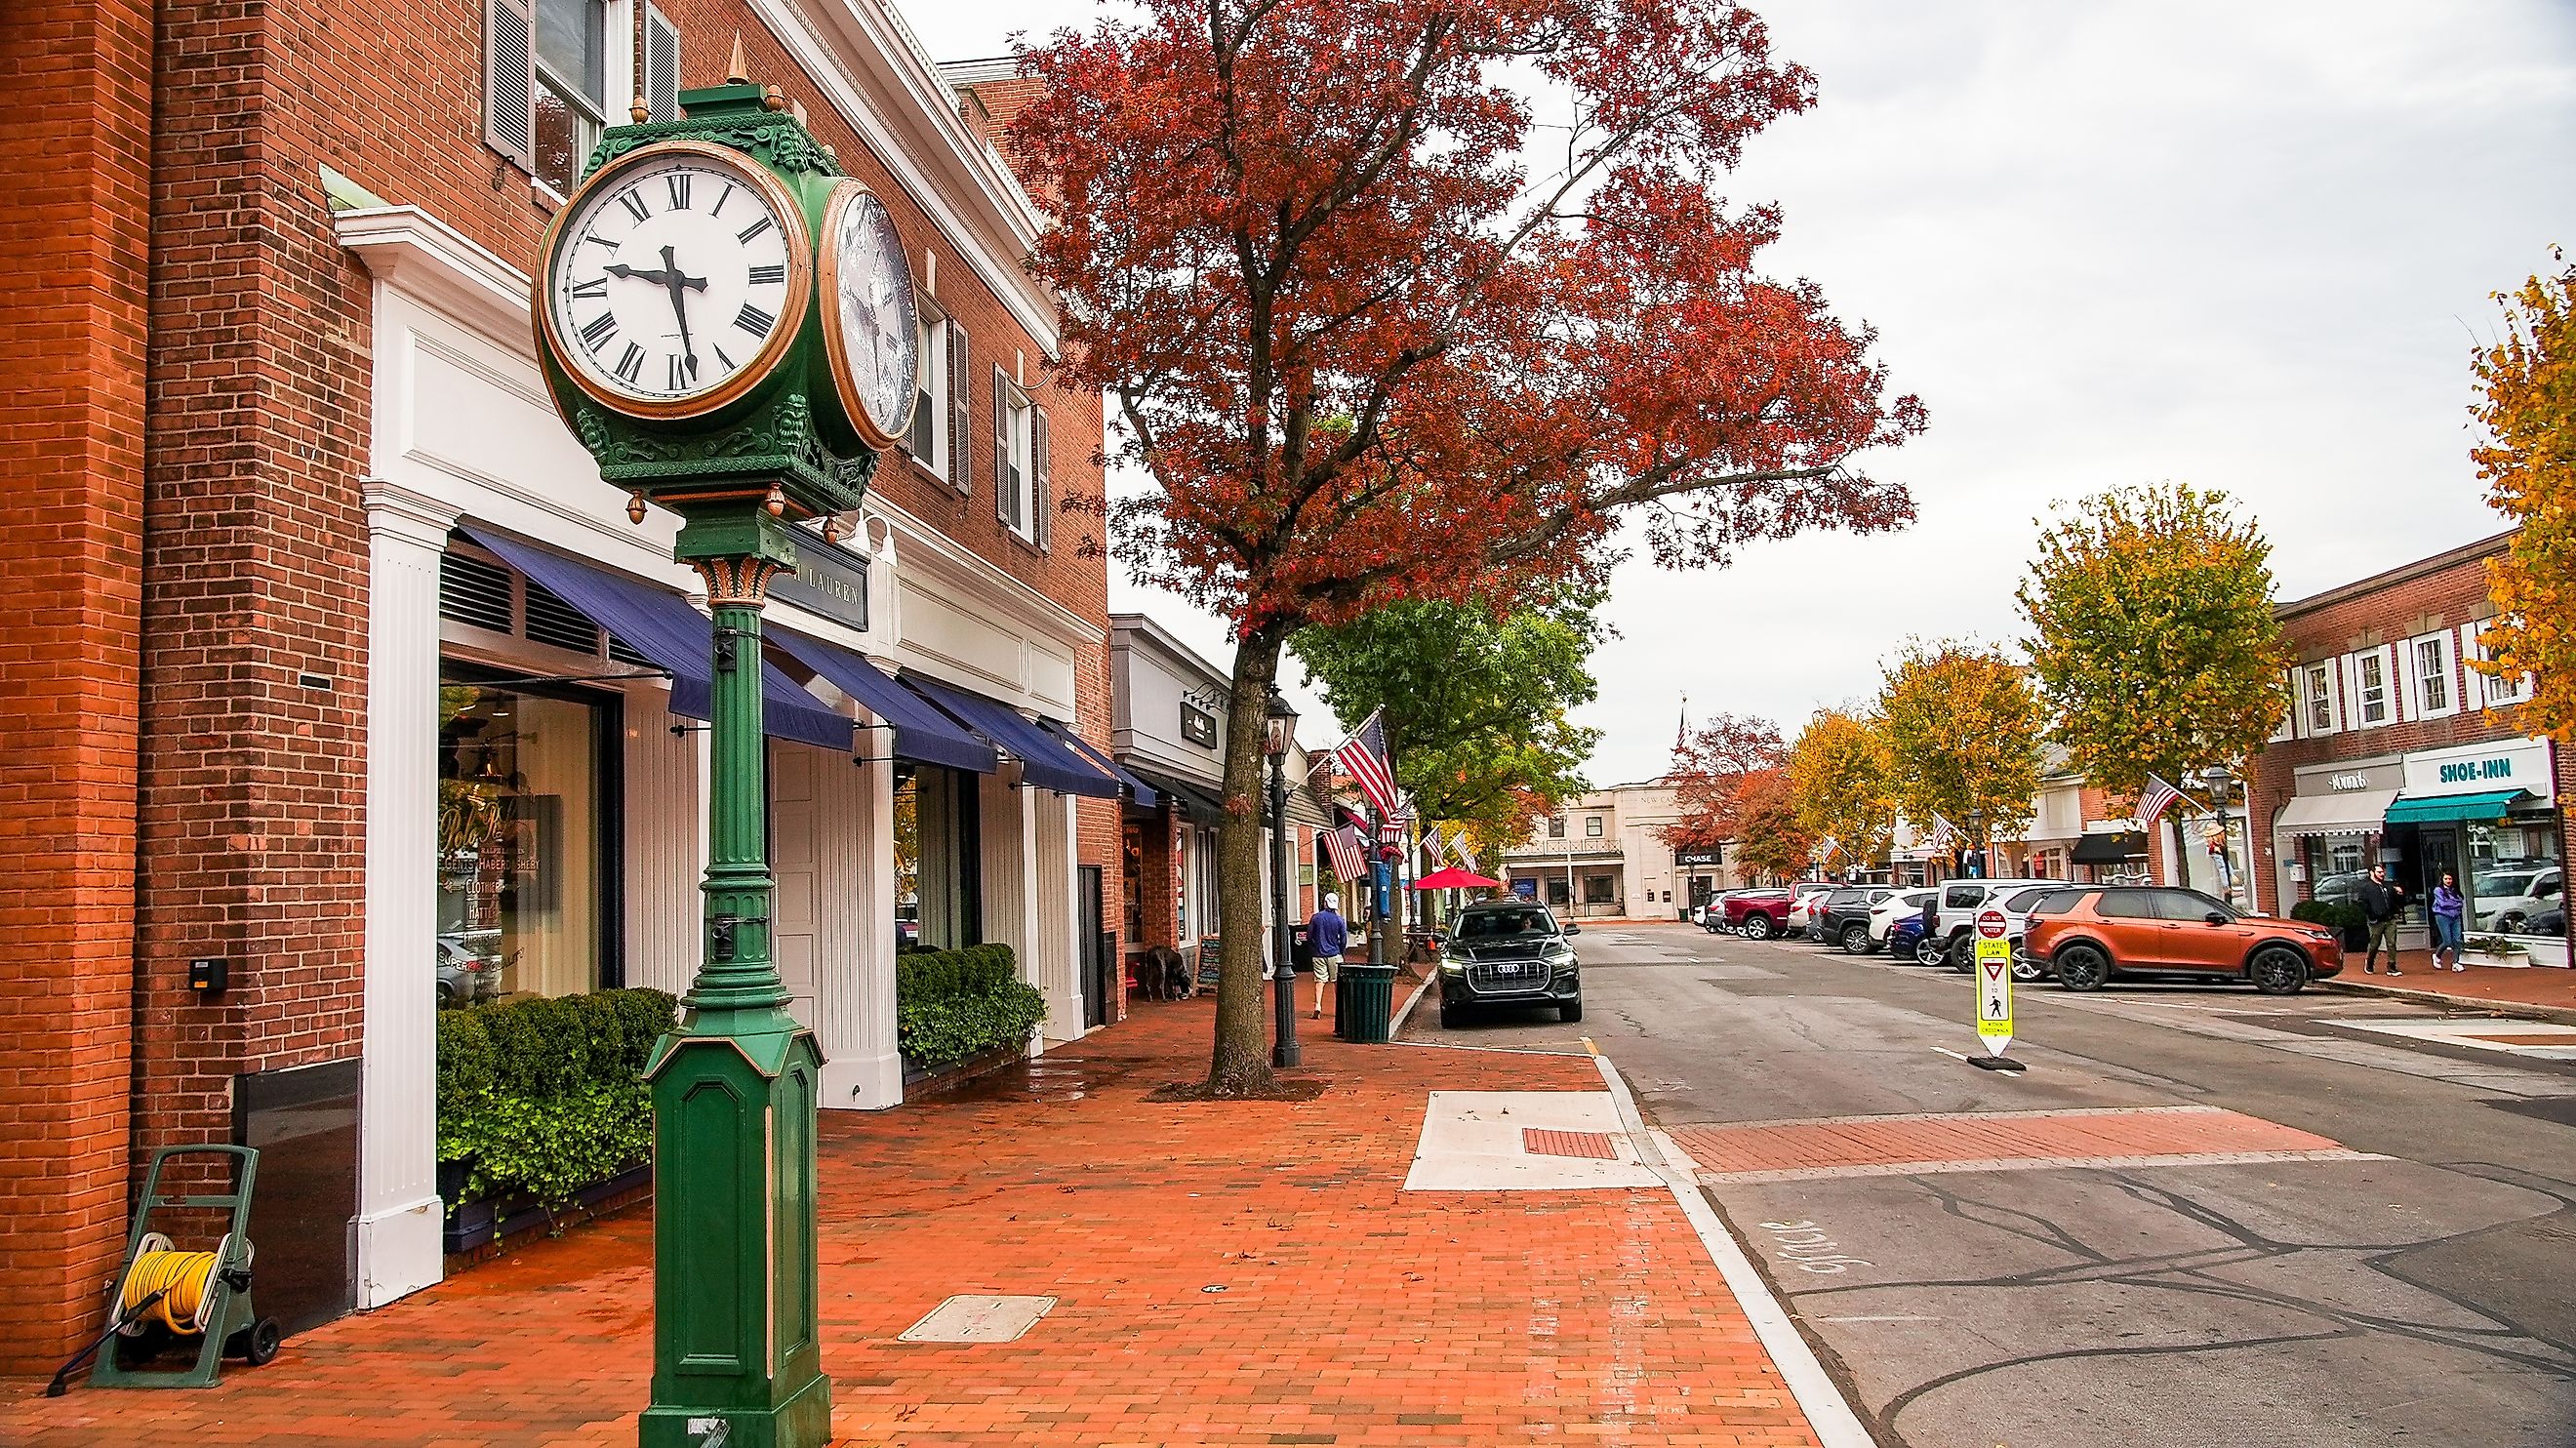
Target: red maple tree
[1372, 343]
[1711, 768]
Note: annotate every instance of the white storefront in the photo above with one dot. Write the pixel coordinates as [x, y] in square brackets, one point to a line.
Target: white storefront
[469, 459]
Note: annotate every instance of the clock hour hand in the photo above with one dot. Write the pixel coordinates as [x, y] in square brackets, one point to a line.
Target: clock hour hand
[621, 269]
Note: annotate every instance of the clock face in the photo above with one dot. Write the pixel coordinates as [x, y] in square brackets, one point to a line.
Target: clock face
[675, 280]
[869, 321]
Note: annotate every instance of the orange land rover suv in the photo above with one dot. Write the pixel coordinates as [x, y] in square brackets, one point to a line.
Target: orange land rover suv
[2085, 934]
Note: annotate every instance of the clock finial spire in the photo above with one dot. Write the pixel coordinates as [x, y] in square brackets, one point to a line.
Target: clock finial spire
[737, 69]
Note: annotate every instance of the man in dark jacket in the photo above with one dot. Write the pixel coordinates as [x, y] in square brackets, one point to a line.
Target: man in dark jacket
[2383, 904]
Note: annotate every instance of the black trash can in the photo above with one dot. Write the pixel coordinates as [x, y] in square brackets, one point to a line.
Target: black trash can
[1367, 994]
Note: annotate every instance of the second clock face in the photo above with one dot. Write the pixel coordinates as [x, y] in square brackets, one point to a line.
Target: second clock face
[676, 280]
[869, 313]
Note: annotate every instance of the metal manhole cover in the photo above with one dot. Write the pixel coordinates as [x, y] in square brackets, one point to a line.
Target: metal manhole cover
[979, 1319]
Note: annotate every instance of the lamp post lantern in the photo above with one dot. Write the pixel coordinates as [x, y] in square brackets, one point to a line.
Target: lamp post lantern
[1279, 730]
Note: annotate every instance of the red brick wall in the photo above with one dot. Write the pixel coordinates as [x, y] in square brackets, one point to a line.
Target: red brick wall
[77, 142]
[2440, 593]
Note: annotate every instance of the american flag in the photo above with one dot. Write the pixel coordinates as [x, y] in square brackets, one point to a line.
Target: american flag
[1827, 848]
[1466, 856]
[1363, 758]
[1942, 836]
[2158, 798]
[1349, 854]
[1431, 843]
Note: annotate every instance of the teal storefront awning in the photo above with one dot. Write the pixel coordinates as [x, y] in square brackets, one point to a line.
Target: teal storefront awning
[2444, 808]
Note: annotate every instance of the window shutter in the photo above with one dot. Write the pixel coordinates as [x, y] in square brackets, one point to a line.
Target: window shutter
[961, 452]
[1043, 486]
[1006, 489]
[509, 81]
[661, 66]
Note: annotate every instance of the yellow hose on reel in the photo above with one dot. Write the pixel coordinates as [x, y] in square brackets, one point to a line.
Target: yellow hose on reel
[183, 1279]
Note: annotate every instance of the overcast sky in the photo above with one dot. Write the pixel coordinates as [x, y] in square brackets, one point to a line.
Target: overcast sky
[2247, 246]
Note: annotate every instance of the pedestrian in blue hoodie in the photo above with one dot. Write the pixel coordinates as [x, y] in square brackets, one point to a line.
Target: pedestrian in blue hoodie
[1327, 936]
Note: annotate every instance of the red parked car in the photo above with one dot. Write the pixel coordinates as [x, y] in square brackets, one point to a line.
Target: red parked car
[1760, 914]
[2086, 934]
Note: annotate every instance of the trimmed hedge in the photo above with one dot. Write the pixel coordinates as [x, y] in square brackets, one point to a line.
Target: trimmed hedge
[543, 1096]
[2348, 920]
[950, 1005]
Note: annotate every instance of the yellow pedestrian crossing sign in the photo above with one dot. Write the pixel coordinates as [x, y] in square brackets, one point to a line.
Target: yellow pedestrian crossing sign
[1994, 983]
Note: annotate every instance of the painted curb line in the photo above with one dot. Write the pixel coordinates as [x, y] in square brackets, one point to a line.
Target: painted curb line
[1828, 1412]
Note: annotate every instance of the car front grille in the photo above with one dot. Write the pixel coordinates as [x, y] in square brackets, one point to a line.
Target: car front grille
[1507, 975]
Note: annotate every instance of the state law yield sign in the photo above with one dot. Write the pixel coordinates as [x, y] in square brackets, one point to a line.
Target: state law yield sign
[1994, 983]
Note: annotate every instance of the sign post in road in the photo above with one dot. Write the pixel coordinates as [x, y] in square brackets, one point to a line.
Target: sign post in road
[1994, 993]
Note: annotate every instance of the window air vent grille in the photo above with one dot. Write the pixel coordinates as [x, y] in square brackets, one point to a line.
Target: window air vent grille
[471, 591]
[553, 621]
[618, 652]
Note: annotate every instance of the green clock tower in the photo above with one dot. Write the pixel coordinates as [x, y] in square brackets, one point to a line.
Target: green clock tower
[725, 321]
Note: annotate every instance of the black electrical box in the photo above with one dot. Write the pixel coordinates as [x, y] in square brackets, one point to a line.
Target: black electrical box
[206, 977]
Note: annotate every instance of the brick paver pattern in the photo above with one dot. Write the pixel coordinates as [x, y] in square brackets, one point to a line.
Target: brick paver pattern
[1863, 1141]
[1590, 1145]
[1245, 1273]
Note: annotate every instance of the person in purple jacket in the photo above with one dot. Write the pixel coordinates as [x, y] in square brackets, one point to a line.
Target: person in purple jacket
[1327, 936]
[2448, 908]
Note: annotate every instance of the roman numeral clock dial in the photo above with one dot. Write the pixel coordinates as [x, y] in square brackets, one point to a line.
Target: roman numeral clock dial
[869, 330]
[674, 278]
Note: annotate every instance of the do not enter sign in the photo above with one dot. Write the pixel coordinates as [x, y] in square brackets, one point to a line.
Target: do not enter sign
[1991, 925]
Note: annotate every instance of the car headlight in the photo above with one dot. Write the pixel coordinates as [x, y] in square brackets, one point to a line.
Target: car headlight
[1454, 965]
[1562, 959]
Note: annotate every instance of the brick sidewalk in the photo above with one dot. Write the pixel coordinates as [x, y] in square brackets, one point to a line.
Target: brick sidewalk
[1350, 1312]
[2543, 987]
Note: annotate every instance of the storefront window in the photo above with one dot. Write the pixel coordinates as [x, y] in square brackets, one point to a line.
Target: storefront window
[2515, 875]
[526, 886]
[1600, 889]
[937, 859]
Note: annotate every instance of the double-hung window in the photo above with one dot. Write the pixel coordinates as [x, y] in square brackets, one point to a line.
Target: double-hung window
[2431, 677]
[2319, 709]
[928, 441]
[2494, 690]
[547, 77]
[1592, 827]
[2373, 699]
[1022, 495]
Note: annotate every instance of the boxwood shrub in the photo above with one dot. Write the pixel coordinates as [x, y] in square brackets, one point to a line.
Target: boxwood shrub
[2348, 920]
[953, 1004]
[540, 1097]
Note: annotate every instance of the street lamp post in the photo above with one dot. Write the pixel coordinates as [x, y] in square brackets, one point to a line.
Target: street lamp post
[1279, 727]
[2218, 780]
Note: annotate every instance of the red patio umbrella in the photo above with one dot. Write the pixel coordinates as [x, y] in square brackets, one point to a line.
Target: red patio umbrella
[1454, 878]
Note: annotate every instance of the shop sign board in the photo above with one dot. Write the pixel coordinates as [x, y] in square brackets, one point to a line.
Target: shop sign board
[1994, 984]
[2501, 764]
[829, 580]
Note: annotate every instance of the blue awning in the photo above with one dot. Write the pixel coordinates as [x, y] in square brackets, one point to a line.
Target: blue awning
[921, 733]
[1138, 791]
[660, 625]
[1045, 760]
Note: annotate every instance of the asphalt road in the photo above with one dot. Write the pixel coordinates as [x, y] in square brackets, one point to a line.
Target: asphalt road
[2421, 1293]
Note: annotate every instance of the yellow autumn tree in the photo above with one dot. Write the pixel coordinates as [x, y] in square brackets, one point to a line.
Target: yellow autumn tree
[2528, 409]
[2155, 645]
[1838, 774]
[1962, 732]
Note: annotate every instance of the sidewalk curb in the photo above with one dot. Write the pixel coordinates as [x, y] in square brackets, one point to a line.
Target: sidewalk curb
[1395, 1028]
[1827, 1410]
[2519, 1010]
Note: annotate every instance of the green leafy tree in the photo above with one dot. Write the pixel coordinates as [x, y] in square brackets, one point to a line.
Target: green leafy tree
[2527, 406]
[2154, 641]
[1475, 703]
[1962, 731]
[1839, 777]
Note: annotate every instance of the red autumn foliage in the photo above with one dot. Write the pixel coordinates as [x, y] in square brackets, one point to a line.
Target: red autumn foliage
[1374, 335]
[1712, 774]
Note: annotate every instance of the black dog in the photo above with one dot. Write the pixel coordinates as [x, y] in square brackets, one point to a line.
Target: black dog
[1163, 976]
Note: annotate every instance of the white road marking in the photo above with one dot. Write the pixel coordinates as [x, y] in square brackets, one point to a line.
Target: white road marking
[1471, 1142]
[1828, 1413]
[2034, 1163]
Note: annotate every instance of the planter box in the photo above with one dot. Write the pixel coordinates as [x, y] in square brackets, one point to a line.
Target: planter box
[920, 1080]
[2515, 961]
[475, 1225]
[2547, 952]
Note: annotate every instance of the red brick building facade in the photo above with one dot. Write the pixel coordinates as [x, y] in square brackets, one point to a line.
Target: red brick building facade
[2398, 752]
[281, 401]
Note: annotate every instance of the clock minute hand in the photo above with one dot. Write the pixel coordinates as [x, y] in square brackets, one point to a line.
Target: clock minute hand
[678, 283]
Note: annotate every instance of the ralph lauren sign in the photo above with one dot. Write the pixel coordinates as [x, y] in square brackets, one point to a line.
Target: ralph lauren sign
[829, 580]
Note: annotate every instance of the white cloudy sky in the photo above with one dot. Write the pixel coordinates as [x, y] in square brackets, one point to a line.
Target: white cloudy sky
[2246, 245]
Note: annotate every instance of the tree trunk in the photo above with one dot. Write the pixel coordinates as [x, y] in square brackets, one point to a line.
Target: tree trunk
[1240, 1061]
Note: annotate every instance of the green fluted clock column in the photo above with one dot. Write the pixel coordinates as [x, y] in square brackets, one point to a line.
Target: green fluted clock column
[737, 1360]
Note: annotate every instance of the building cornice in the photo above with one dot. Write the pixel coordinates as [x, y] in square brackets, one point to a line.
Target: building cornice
[1162, 641]
[2390, 578]
[880, 82]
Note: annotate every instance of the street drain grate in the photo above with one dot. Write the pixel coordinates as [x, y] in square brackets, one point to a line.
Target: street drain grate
[979, 1319]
